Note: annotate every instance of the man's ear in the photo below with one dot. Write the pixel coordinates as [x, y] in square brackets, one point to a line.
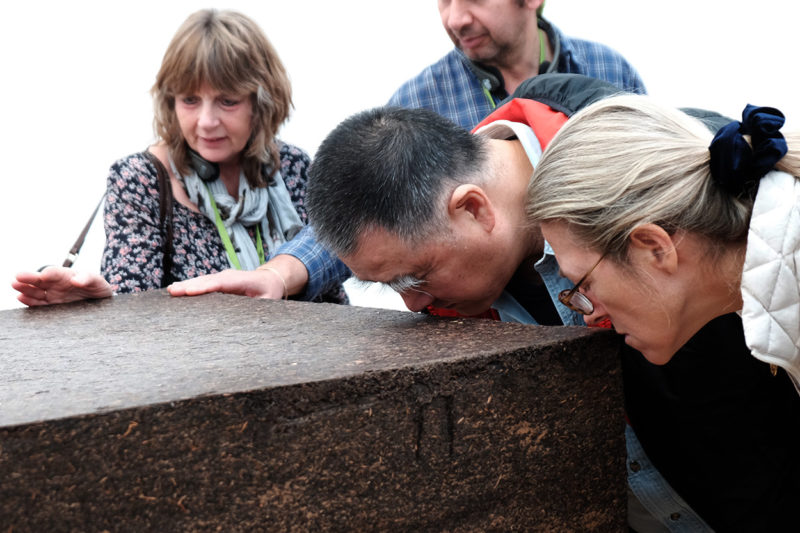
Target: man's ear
[470, 203]
[651, 244]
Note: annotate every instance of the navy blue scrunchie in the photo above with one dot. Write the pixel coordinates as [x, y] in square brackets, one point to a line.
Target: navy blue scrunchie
[735, 166]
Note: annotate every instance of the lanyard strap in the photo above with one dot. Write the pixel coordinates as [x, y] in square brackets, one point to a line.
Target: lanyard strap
[542, 53]
[488, 96]
[226, 238]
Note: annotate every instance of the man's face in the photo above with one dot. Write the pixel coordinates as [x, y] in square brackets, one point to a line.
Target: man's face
[452, 271]
[488, 31]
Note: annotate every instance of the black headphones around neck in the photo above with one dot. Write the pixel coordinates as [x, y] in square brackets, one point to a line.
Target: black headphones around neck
[206, 170]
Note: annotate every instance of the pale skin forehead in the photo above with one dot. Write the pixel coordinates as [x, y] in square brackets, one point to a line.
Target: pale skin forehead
[381, 257]
[570, 254]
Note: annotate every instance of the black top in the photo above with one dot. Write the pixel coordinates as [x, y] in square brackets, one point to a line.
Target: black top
[722, 430]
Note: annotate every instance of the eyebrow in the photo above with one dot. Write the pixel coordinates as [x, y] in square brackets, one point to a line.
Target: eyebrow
[400, 283]
[404, 283]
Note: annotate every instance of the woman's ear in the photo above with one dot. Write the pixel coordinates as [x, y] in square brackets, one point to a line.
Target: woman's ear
[650, 244]
[469, 203]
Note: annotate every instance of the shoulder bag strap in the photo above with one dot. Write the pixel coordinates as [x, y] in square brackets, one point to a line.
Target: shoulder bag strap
[72, 256]
[165, 212]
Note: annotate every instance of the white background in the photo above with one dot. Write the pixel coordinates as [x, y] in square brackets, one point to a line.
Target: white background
[76, 79]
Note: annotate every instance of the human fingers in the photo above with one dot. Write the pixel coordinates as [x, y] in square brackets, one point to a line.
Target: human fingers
[28, 291]
[93, 285]
[252, 283]
[28, 277]
[196, 286]
[30, 301]
[57, 273]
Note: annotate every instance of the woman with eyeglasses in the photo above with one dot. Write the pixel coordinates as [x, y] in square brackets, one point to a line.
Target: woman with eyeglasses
[234, 192]
[665, 229]
[665, 226]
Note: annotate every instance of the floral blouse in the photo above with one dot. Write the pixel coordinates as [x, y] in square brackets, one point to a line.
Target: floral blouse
[134, 250]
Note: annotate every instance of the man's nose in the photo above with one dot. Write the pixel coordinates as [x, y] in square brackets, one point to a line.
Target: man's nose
[416, 300]
[458, 15]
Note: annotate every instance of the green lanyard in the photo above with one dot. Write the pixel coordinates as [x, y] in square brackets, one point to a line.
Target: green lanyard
[542, 57]
[226, 239]
[542, 49]
[489, 97]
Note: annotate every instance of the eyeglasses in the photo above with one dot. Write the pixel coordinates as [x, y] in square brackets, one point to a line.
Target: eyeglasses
[577, 301]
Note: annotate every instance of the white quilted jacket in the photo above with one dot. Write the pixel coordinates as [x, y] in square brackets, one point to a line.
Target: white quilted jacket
[771, 275]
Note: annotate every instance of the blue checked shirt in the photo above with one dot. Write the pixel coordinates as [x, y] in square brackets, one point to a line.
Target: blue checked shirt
[325, 270]
[454, 88]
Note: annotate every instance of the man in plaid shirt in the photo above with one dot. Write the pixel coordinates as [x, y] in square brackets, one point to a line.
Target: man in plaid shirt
[499, 44]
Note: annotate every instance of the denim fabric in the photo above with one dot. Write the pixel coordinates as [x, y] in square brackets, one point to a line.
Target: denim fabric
[666, 507]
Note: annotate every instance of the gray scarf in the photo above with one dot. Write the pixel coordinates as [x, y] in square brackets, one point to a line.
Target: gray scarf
[270, 206]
